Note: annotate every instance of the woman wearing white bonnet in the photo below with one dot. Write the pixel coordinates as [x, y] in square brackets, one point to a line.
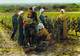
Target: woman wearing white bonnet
[62, 11]
[40, 26]
[21, 34]
[41, 10]
[62, 27]
[33, 8]
[20, 12]
[42, 16]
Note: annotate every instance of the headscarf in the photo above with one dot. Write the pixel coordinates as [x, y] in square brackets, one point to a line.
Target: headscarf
[41, 10]
[20, 12]
[62, 10]
[40, 26]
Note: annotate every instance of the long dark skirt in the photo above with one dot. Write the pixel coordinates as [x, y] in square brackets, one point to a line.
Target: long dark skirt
[21, 36]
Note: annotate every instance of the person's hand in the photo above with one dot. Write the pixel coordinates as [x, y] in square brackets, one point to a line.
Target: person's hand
[24, 23]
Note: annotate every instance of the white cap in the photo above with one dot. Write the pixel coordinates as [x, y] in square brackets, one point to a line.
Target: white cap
[62, 10]
[41, 10]
[33, 8]
[40, 26]
[20, 12]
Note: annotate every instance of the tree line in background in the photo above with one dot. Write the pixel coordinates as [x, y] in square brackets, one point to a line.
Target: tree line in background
[48, 7]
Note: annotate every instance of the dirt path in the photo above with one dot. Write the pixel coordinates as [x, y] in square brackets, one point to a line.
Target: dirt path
[11, 48]
[7, 46]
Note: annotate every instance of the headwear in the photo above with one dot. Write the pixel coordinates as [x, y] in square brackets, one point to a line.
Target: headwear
[41, 10]
[33, 8]
[62, 10]
[20, 12]
[40, 26]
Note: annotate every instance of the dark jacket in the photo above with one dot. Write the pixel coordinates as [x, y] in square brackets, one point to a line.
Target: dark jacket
[42, 18]
[15, 20]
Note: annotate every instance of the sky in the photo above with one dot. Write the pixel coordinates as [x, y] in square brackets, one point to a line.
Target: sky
[37, 1]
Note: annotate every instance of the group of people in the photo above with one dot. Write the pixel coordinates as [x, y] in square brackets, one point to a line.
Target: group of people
[32, 30]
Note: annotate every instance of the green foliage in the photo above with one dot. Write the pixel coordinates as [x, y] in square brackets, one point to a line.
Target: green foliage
[49, 7]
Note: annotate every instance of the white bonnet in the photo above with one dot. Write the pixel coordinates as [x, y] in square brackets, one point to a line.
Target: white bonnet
[20, 12]
[40, 26]
[62, 10]
[41, 10]
[33, 8]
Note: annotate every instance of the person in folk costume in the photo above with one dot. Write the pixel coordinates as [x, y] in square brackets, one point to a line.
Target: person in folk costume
[15, 25]
[42, 16]
[31, 26]
[33, 15]
[26, 24]
[62, 20]
[43, 34]
[21, 34]
[29, 31]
